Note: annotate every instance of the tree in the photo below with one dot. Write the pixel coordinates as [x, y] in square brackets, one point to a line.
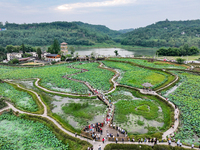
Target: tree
[72, 50]
[116, 52]
[55, 47]
[39, 52]
[180, 60]
[23, 48]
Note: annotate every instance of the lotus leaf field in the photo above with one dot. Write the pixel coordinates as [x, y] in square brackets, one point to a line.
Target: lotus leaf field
[136, 76]
[21, 99]
[187, 98]
[51, 76]
[155, 64]
[97, 77]
[17, 133]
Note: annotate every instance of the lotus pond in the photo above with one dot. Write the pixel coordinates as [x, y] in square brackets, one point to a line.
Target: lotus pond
[21, 99]
[156, 64]
[17, 133]
[139, 114]
[136, 76]
[77, 112]
[187, 98]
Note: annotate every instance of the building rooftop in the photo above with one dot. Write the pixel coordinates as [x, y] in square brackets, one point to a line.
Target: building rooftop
[52, 55]
[63, 43]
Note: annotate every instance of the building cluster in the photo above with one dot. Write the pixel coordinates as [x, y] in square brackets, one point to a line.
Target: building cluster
[45, 55]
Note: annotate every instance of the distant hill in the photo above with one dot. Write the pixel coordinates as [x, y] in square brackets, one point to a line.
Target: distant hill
[126, 30]
[165, 33]
[40, 34]
[101, 29]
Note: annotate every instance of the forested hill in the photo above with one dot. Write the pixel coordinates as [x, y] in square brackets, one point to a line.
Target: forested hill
[41, 34]
[101, 29]
[165, 33]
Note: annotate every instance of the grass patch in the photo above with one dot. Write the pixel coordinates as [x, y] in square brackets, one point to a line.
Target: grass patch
[140, 123]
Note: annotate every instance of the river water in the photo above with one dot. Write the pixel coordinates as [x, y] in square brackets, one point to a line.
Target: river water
[110, 52]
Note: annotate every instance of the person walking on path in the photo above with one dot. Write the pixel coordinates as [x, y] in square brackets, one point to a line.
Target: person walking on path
[103, 140]
[75, 134]
[116, 140]
[178, 142]
[99, 148]
[169, 141]
[123, 140]
[192, 146]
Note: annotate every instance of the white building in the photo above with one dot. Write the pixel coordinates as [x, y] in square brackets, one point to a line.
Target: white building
[34, 54]
[53, 57]
[11, 56]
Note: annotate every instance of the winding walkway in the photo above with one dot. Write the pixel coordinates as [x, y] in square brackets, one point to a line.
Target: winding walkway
[95, 144]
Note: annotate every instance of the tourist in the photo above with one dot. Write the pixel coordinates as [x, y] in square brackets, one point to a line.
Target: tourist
[116, 140]
[117, 134]
[103, 140]
[145, 140]
[152, 140]
[192, 146]
[141, 140]
[101, 131]
[169, 141]
[123, 140]
[75, 134]
[91, 148]
[155, 142]
[133, 140]
[178, 142]
[99, 148]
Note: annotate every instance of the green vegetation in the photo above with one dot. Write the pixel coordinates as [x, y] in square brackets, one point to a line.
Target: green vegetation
[40, 34]
[180, 60]
[83, 112]
[155, 64]
[182, 51]
[147, 107]
[124, 108]
[97, 77]
[139, 147]
[17, 133]
[136, 76]
[2, 103]
[186, 97]
[52, 77]
[140, 123]
[165, 33]
[21, 99]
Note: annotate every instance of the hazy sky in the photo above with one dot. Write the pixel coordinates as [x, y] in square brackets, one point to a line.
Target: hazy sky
[115, 14]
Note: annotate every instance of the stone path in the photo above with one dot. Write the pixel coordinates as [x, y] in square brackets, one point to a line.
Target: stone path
[96, 144]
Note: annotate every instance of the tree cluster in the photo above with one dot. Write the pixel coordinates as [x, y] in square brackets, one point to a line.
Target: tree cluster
[43, 34]
[182, 51]
[165, 33]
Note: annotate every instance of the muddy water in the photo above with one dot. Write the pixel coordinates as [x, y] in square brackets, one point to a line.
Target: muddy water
[132, 127]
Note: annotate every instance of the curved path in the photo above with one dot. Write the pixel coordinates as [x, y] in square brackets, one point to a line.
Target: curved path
[95, 144]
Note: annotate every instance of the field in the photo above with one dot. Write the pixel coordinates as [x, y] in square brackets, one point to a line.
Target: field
[97, 77]
[16, 133]
[134, 110]
[136, 76]
[21, 99]
[186, 97]
[155, 64]
[51, 77]
[140, 115]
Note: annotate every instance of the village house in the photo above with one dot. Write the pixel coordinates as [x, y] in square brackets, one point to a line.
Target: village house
[63, 47]
[53, 57]
[34, 54]
[11, 56]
